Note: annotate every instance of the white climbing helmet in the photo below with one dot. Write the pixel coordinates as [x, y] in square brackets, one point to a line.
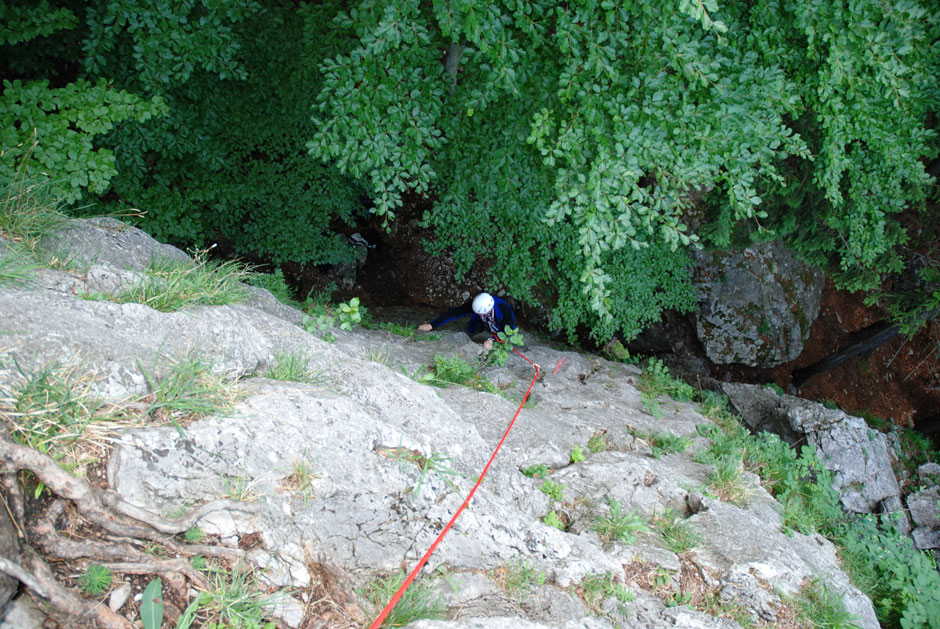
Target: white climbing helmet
[483, 303]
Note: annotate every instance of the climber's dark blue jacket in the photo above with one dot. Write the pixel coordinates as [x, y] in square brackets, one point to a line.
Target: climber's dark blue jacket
[503, 316]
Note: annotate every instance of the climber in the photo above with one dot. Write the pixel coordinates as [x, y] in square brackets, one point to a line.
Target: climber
[487, 313]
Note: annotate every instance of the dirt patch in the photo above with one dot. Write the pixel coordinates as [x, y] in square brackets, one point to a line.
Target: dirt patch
[898, 381]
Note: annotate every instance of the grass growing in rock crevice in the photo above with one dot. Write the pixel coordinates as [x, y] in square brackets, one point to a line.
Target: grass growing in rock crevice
[678, 534]
[28, 211]
[295, 367]
[189, 389]
[51, 409]
[455, 370]
[418, 602]
[901, 581]
[170, 285]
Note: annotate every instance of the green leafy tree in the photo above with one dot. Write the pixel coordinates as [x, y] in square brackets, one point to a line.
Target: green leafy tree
[228, 163]
[866, 79]
[575, 150]
[557, 137]
[49, 132]
[228, 86]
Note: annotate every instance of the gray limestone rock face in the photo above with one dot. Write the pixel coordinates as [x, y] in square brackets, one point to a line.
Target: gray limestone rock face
[924, 507]
[389, 458]
[756, 306]
[107, 242]
[858, 456]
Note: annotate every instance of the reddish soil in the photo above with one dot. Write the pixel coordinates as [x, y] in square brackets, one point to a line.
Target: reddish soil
[899, 381]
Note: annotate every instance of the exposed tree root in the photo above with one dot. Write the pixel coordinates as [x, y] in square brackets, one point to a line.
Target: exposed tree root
[72, 609]
[127, 530]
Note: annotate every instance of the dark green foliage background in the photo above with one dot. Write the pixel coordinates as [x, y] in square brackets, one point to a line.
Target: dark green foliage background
[576, 150]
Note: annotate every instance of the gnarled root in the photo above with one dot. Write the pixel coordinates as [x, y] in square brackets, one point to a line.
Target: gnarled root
[129, 527]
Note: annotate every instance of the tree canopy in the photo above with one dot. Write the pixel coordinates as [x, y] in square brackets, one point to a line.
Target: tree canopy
[576, 148]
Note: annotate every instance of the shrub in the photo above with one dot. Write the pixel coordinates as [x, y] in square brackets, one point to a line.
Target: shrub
[902, 582]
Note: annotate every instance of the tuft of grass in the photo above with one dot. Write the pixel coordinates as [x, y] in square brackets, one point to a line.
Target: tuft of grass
[676, 532]
[405, 331]
[49, 409]
[276, 284]
[665, 443]
[233, 599]
[419, 601]
[300, 481]
[726, 480]
[518, 578]
[28, 211]
[189, 389]
[95, 580]
[597, 443]
[171, 285]
[655, 381]
[294, 367]
[436, 463]
[455, 370]
[620, 526]
[241, 488]
[818, 606]
[596, 589]
[16, 266]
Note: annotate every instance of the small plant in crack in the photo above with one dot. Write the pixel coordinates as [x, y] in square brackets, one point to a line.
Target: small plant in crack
[241, 488]
[419, 601]
[727, 481]
[597, 443]
[620, 526]
[518, 578]
[300, 480]
[552, 489]
[194, 535]
[435, 462]
[596, 589]
[536, 471]
[676, 532]
[553, 520]
[577, 455]
[95, 580]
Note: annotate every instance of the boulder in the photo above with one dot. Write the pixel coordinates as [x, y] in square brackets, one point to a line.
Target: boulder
[756, 305]
[858, 456]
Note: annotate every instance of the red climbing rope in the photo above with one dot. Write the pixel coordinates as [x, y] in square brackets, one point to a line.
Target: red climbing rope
[414, 573]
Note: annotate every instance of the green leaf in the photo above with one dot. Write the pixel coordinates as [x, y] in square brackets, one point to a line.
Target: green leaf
[151, 605]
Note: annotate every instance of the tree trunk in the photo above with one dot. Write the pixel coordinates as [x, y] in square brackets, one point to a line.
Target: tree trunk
[864, 342]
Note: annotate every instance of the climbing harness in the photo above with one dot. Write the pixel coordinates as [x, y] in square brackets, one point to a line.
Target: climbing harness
[427, 555]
